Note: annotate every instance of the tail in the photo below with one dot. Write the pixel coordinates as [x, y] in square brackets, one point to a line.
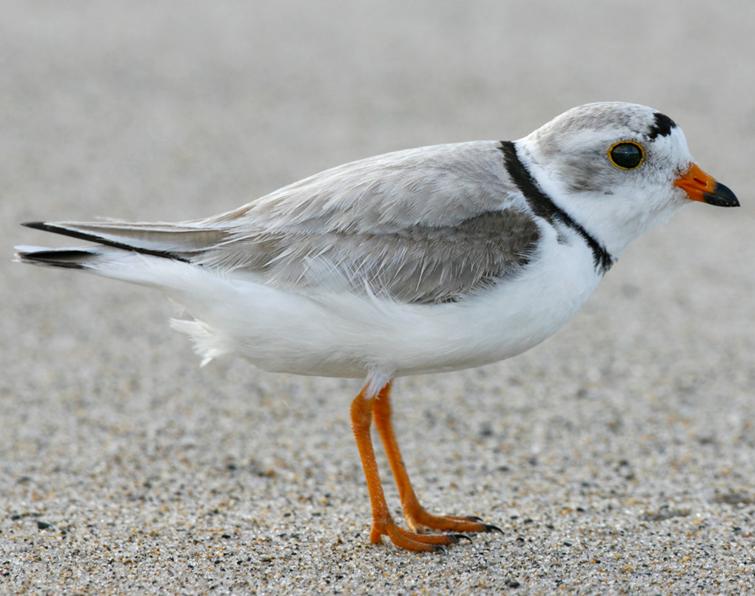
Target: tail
[131, 252]
[114, 239]
[67, 258]
[153, 255]
[174, 241]
[107, 261]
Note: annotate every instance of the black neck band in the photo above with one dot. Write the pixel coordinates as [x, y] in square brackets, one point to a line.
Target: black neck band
[543, 206]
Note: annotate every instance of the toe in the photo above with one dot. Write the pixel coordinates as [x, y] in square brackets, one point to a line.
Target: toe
[442, 539]
[450, 523]
[415, 541]
[408, 541]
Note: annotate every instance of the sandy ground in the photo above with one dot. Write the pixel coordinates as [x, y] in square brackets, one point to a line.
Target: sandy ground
[619, 456]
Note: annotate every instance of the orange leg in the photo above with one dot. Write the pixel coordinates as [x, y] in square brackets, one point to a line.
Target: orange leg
[416, 515]
[382, 522]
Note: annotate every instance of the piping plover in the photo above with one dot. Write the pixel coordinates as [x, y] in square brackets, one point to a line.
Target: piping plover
[430, 259]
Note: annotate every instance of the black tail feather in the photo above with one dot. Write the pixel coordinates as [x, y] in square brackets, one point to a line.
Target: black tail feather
[46, 227]
[67, 258]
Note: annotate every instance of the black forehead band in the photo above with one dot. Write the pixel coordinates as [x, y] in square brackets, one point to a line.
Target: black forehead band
[663, 125]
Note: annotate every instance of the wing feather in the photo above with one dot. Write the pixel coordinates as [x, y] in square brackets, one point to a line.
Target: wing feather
[424, 225]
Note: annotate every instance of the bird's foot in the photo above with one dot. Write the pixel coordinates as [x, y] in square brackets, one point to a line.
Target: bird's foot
[409, 540]
[418, 518]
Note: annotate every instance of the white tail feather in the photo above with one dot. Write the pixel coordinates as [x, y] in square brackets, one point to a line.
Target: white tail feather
[208, 342]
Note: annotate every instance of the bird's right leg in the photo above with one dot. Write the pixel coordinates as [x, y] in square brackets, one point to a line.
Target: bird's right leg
[382, 522]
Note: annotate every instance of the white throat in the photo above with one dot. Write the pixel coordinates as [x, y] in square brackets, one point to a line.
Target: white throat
[612, 221]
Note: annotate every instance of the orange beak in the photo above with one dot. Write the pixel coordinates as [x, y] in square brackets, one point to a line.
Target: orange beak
[700, 186]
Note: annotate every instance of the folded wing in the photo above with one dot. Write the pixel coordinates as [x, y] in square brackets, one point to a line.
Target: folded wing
[425, 225]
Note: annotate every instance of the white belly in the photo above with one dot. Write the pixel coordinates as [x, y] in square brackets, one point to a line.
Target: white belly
[350, 335]
[510, 318]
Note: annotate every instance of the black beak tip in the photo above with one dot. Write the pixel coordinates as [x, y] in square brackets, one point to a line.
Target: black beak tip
[722, 196]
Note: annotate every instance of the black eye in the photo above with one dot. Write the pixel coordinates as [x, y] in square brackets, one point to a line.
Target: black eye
[626, 155]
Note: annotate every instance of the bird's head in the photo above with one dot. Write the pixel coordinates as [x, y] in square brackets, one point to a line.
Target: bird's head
[618, 168]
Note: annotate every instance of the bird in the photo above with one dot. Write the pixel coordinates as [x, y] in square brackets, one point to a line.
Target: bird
[424, 260]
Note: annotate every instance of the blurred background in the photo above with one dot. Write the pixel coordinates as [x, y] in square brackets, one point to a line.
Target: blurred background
[629, 436]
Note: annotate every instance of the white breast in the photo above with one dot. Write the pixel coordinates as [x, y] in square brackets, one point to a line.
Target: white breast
[509, 319]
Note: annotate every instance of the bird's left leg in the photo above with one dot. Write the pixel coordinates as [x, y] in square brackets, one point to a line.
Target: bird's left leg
[416, 515]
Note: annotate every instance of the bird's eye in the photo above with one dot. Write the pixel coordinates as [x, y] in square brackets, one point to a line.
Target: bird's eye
[626, 155]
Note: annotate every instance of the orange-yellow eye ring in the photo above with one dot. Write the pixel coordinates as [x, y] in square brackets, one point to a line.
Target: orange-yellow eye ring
[626, 155]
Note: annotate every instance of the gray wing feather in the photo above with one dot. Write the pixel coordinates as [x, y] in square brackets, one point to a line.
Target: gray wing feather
[437, 185]
[423, 225]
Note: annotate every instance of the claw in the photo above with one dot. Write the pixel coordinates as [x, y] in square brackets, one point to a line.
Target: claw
[492, 528]
[460, 537]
